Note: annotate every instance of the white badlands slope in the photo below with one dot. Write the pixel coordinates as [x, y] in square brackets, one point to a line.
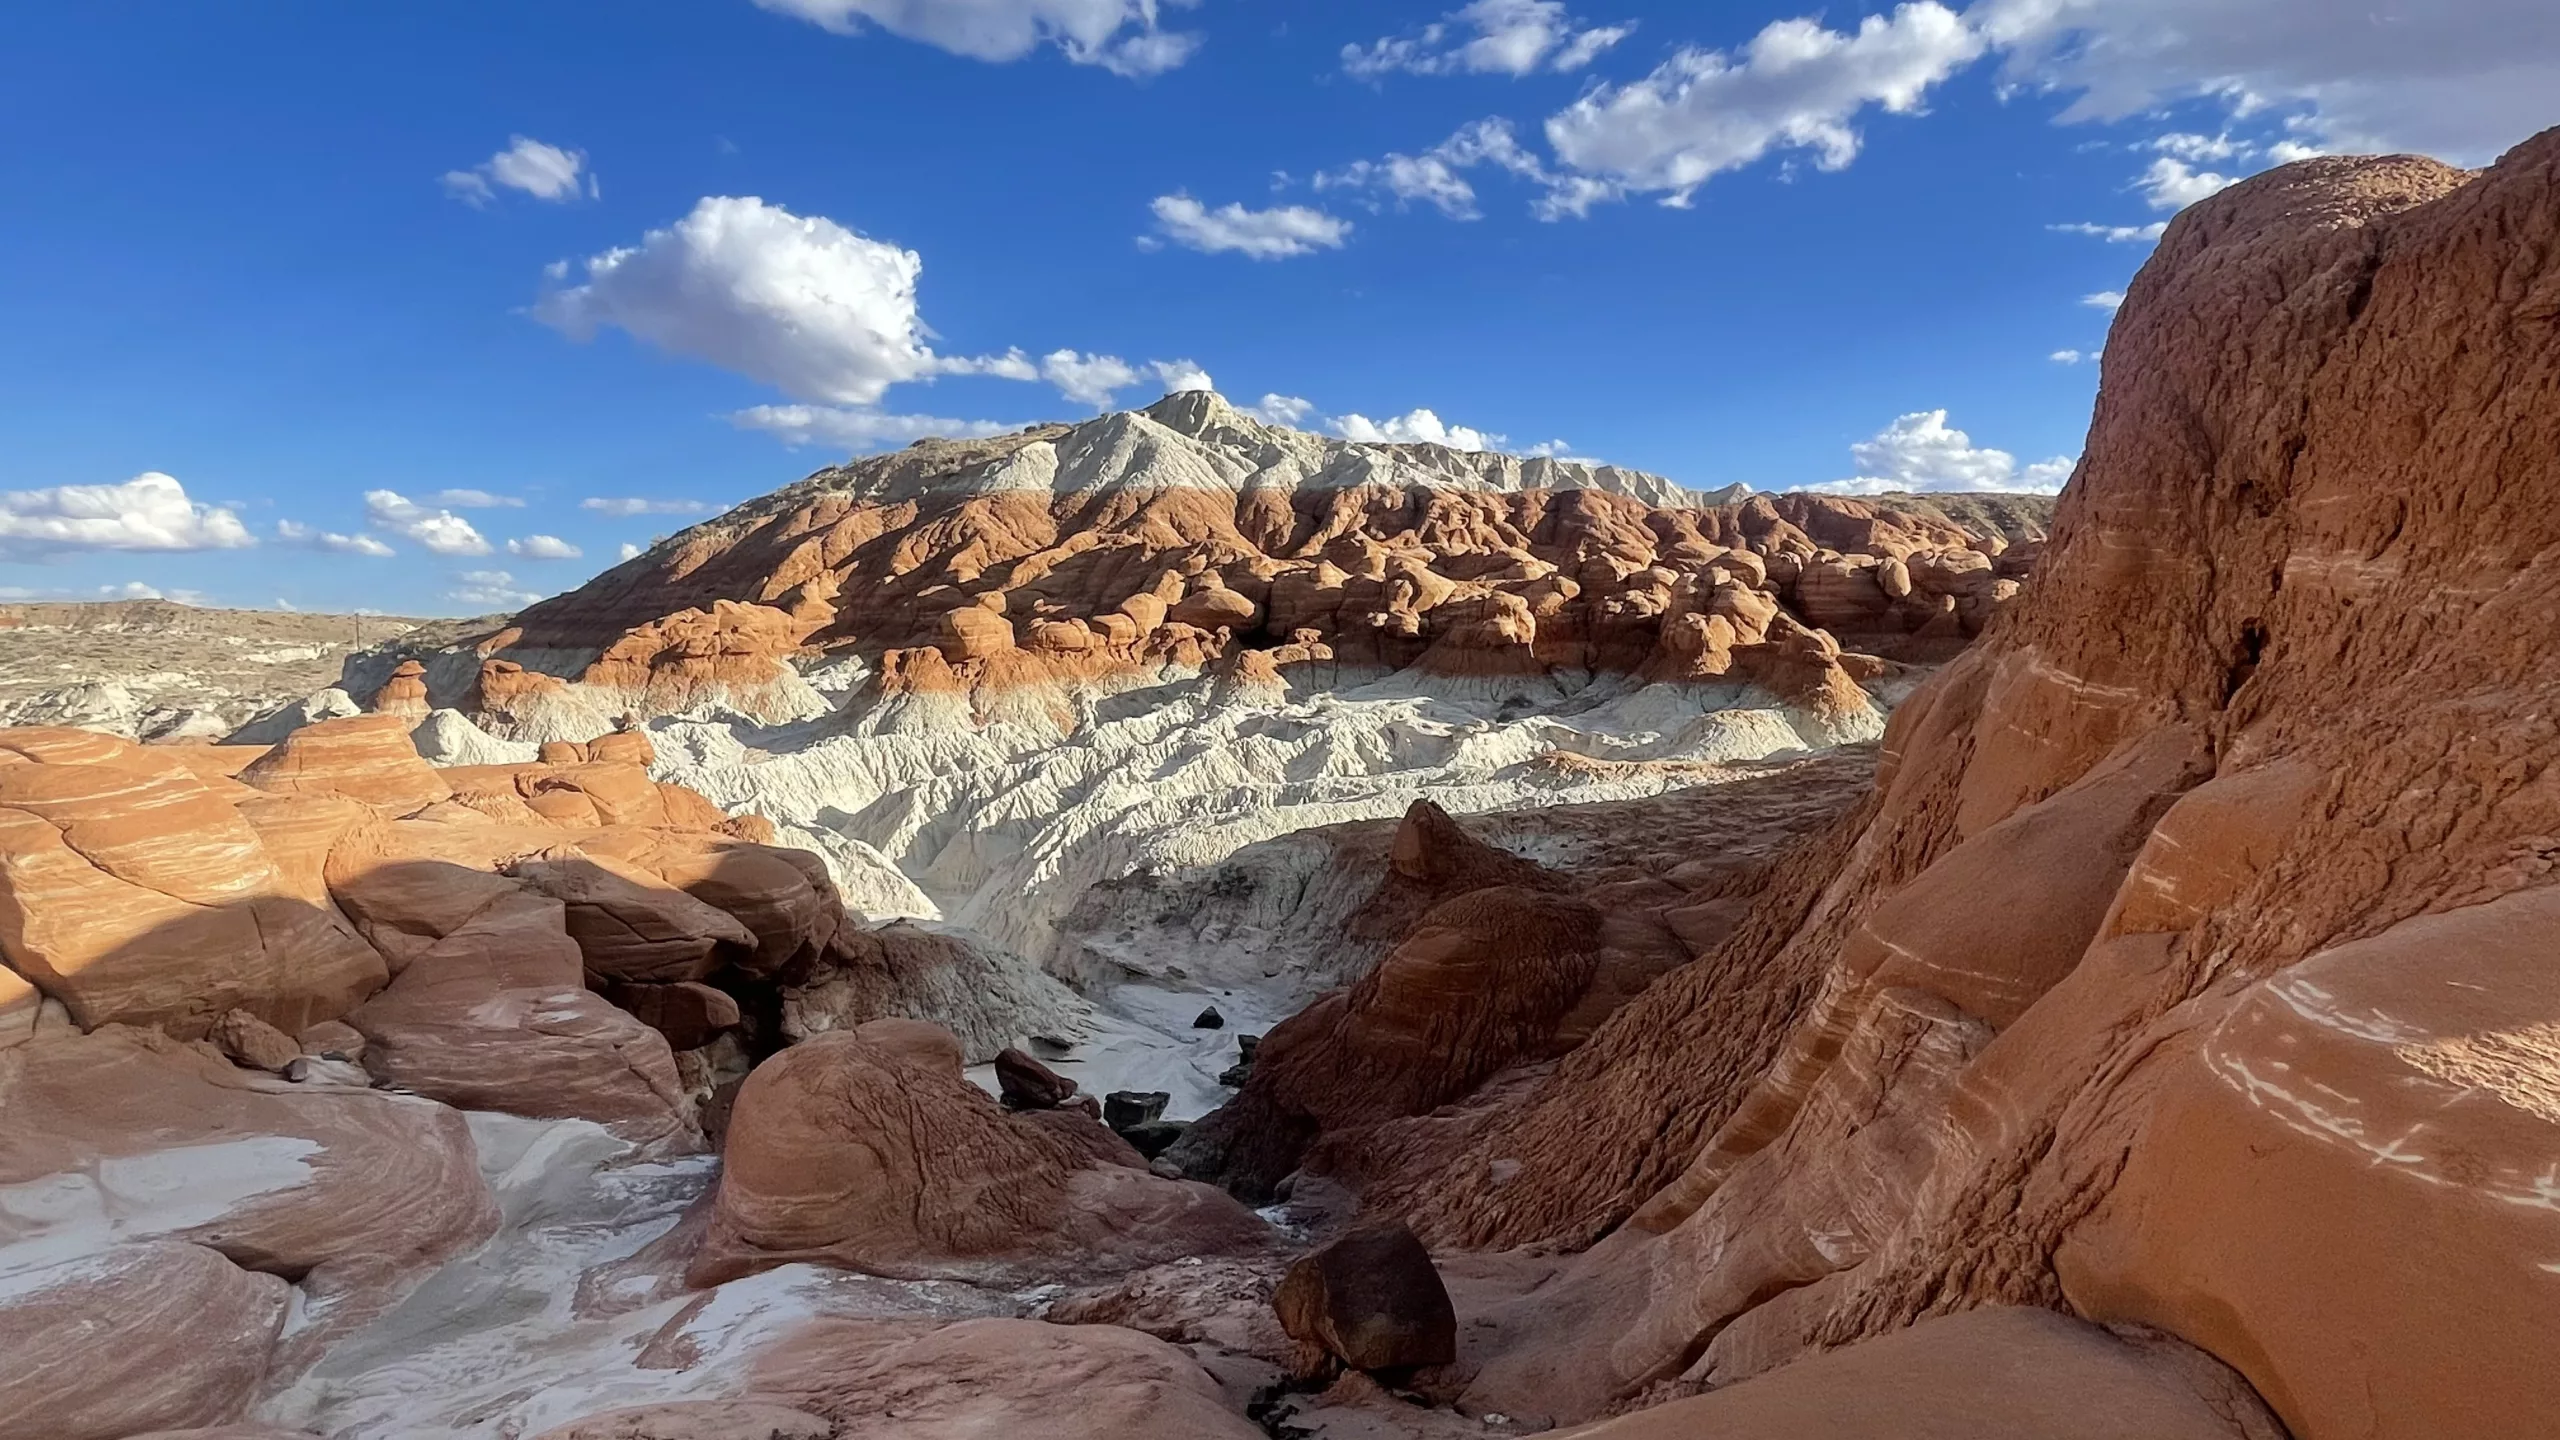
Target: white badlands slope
[1067, 851]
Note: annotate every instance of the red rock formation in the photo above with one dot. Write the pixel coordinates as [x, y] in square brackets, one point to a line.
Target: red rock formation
[134, 892]
[362, 757]
[1189, 535]
[139, 1337]
[404, 694]
[869, 1151]
[2016, 1374]
[145, 887]
[1496, 965]
[994, 1377]
[2194, 938]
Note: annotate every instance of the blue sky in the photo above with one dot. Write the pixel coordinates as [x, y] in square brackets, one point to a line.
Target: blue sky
[398, 306]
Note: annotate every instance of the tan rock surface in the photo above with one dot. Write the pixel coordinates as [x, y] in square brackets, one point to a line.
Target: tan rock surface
[880, 1157]
[134, 892]
[140, 1337]
[2014, 1374]
[888, 1380]
[127, 1136]
[495, 1015]
[696, 1420]
[2027, 1033]
[362, 757]
[629, 925]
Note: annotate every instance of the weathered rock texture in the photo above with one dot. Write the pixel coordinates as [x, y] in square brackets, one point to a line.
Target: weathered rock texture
[472, 929]
[1004, 577]
[869, 1150]
[995, 1377]
[139, 1337]
[126, 1138]
[2011, 1373]
[1494, 966]
[2190, 965]
[1370, 1300]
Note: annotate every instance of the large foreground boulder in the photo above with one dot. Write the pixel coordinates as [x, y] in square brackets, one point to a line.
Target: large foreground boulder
[135, 892]
[869, 1150]
[141, 1337]
[902, 1380]
[1369, 1300]
[131, 1137]
[2005, 1373]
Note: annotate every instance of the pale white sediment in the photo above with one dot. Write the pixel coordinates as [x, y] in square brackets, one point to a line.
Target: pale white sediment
[566, 1312]
[1157, 857]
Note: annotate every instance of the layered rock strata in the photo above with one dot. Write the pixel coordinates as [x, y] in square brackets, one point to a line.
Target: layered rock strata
[1009, 577]
[2194, 935]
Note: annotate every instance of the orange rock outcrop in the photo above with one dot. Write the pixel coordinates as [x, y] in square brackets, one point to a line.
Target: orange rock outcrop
[1129, 548]
[2190, 965]
[472, 926]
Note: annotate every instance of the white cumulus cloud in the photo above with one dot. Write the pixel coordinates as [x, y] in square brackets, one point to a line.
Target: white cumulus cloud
[543, 547]
[848, 428]
[474, 500]
[1795, 86]
[1277, 409]
[802, 304]
[2173, 184]
[630, 551]
[545, 172]
[820, 312]
[2070, 357]
[1278, 233]
[2462, 79]
[1415, 427]
[1489, 37]
[1436, 176]
[621, 505]
[1921, 452]
[151, 511]
[439, 530]
[1095, 379]
[2114, 234]
[1181, 376]
[1122, 36]
[1088, 379]
[294, 532]
[2107, 300]
[490, 589]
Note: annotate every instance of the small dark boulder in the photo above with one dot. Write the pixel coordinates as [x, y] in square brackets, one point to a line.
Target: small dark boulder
[1153, 1137]
[1026, 1084]
[1122, 1109]
[1210, 1019]
[1234, 1075]
[1368, 1300]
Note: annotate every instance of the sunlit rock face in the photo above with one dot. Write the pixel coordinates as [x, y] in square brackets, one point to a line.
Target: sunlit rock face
[2196, 933]
[1030, 577]
[1035, 689]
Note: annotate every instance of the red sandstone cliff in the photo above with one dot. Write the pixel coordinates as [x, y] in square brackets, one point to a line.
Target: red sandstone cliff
[2196, 962]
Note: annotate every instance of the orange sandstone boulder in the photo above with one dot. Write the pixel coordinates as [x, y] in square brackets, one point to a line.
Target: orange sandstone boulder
[141, 894]
[405, 693]
[138, 1337]
[874, 1154]
[362, 757]
[923, 1381]
[2014, 1374]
